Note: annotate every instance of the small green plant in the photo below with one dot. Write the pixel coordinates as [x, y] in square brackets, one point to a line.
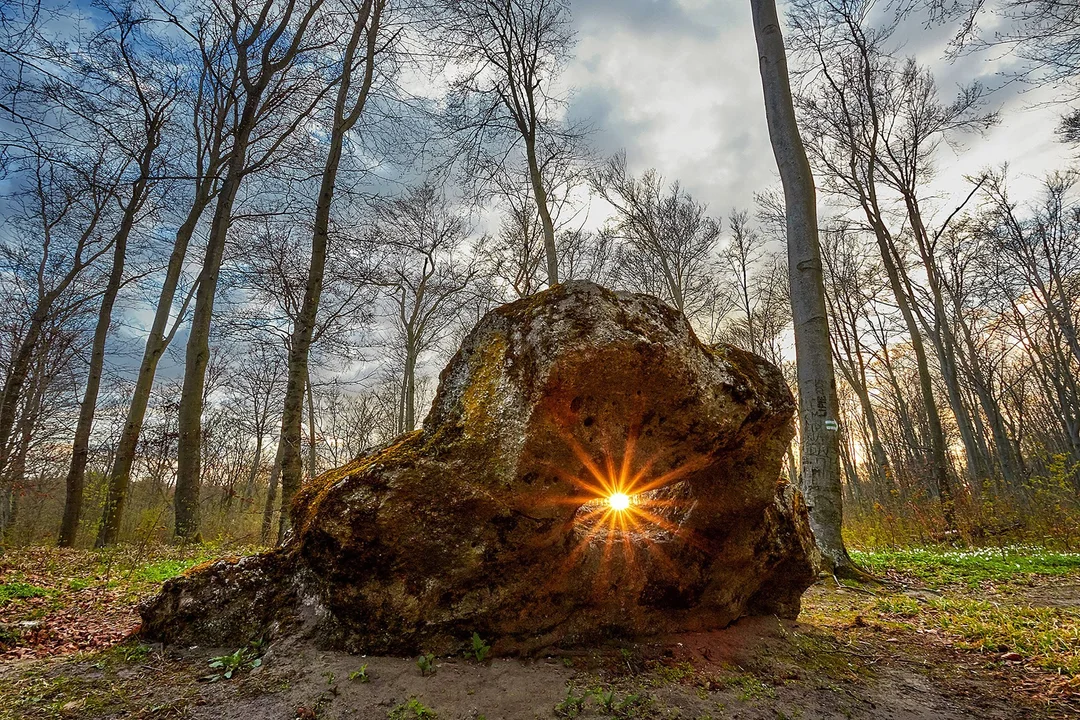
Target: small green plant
[630, 705]
[480, 649]
[228, 665]
[426, 663]
[360, 674]
[606, 699]
[134, 652]
[21, 591]
[678, 673]
[412, 709]
[751, 688]
[572, 705]
[329, 678]
[9, 637]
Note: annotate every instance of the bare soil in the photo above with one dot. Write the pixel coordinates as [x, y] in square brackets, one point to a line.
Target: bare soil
[758, 668]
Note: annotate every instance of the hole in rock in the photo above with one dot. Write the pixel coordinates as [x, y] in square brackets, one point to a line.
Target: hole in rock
[652, 516]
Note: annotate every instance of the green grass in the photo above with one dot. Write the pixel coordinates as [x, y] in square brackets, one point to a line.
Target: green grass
[1046, 636]
[20, 590]
[980, 607]
[751, 688]
[161, 571]
[937, 567]
[677, 673]
[40, 695]
[897, 605]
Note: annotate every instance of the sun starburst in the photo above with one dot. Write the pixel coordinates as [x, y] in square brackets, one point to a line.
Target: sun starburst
[626, 504]
[618, 501]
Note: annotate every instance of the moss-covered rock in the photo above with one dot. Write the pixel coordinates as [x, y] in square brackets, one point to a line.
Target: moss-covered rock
[494, 517]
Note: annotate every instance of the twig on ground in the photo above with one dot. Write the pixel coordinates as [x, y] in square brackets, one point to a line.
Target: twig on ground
[853, 588]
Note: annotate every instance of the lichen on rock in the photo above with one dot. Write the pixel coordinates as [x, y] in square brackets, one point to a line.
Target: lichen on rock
[493, 518]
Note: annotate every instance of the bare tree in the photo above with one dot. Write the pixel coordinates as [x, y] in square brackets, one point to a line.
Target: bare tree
[131, 85]
[264, 41]
[874, 124]
[851, 278]
[669, 243]
[357, 67]
[513, 258]
[60, 222]
[272, 275]
[209, 106]
[819, 450]
[760, 294]
[512, 51]
[260, 376]
[1043, 34]
[1034, 279]
[424, 277]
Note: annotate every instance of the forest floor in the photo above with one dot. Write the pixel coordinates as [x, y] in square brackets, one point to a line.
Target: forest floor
[986, 634]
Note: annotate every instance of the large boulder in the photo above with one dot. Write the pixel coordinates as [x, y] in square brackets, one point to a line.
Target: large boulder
[496, 517]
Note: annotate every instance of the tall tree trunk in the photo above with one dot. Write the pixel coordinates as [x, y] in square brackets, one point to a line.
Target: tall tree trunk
[818, 405]
[80, 451]
[156, 343]
[289, 442]
[937, 328]
[313, 454]
[345, 118]
[1010, 462]
[939, 453]
[197, 355]
[271, 495]
[541, 197]
[289, 30]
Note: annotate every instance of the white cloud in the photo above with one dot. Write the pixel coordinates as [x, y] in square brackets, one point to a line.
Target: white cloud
[675, 83]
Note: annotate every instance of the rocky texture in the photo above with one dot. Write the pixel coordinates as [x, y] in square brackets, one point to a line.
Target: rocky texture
[493, 517]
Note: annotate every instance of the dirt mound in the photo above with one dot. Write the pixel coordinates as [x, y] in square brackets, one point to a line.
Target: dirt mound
[588, 469]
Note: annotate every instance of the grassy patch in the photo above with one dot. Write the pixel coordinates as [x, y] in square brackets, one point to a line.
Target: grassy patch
[940, 568]
[19, 591]
[48, 695]
[980, 605]
[1047, 637]
[159, 572]
[897, 605]
[677, 673]
[85, 599]
[749, 688]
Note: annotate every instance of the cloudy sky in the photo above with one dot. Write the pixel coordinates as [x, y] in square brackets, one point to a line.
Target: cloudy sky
[675, 83]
